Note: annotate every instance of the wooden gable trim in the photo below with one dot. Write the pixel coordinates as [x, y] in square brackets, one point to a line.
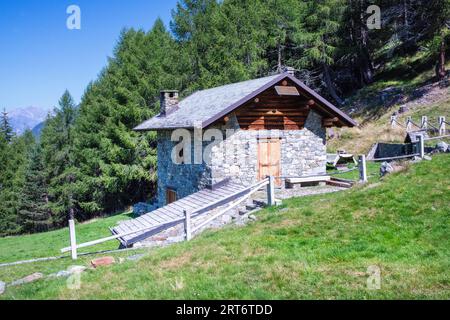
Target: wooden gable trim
[272, 111]
[321, 105]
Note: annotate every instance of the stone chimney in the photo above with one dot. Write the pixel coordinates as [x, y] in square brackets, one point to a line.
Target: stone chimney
[289, 70]
[168, 101]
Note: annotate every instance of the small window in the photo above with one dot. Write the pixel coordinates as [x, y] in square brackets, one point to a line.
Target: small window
[171, 196]
[181, 155]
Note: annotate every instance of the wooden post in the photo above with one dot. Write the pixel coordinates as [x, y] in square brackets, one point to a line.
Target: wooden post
[187, 225]
[271, 191]
[362, 169]
[73, 239]
[421, 146]
[441, 125]
[424, 123]
[393, 122]
[409, 124]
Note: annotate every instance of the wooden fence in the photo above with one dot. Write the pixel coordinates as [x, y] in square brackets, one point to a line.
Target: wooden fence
[187, 219]
[425, 124]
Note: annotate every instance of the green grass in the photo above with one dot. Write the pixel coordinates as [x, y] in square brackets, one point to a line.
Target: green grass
[48, 244]
[373, 171]
[310, 248]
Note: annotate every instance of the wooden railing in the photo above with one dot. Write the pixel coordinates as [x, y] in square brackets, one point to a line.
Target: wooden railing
[187, 219]
[424, 124]
[249, 192]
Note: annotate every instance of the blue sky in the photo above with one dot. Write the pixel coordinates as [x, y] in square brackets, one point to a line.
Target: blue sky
[40, 57]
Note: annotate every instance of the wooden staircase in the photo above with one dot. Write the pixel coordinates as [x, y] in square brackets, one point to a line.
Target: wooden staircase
[173, 213]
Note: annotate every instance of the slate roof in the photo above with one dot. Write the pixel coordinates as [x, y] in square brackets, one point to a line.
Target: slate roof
[202, 108]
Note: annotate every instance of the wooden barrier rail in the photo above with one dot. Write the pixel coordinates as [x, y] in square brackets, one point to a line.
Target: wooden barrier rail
[424, 124]
[186, 219]
[437, 138]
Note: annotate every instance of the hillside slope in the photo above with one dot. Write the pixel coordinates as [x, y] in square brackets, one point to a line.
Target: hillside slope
[373, 106]
[312, 247]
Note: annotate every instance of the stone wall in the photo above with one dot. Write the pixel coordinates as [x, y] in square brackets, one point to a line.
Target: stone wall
[185, 179]
[303, 152]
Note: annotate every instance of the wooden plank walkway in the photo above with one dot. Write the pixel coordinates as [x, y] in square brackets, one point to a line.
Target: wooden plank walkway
[174, 211]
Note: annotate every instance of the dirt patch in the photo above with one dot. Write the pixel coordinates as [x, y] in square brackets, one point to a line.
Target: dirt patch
[177, 262]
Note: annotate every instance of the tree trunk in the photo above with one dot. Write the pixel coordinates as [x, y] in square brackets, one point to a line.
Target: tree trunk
[330, 85]
[440, 69]
[280, 64]
[406, 19]
[366, 65]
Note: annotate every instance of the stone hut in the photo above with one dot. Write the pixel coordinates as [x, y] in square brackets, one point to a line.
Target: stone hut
[241, 132]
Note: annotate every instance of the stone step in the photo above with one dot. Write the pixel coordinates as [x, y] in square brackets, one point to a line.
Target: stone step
[252, 206]
[260, 202]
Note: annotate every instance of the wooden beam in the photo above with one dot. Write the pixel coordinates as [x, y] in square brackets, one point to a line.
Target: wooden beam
[308, 179]
[329, 122]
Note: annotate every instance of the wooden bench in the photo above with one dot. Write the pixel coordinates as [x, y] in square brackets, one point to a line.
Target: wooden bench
[307, 180]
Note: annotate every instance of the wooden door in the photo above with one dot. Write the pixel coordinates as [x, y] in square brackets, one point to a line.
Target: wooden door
[269, 159]
[171, 196]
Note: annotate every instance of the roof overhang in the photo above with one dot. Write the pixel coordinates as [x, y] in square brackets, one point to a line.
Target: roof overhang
[324, 105]
[312, 94]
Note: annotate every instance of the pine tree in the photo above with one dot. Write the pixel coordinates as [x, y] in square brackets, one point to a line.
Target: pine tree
[6, 129]
[441, 28]
[12, 180]
[34, 214]
[319, 38]
[3, 159]
[356, 45]
[115, 165]
[57, 140]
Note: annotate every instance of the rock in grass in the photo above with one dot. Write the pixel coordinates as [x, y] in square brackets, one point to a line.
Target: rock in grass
[28, 279]
[385, 169]
[76, 269]
[104, 261]
[135, 257]
[2, 287]
[442, 147]
[59, 274]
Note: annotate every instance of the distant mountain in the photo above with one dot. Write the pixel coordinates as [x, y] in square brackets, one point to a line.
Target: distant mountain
[38, 129]
[27, 118]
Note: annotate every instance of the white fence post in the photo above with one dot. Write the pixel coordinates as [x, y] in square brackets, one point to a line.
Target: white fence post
[441, 125]
[73, 239]
[424, 123]
[362, 169]
[187, 225]
[409, 124]
[421, 146]
[393, 122]
[271, 191]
